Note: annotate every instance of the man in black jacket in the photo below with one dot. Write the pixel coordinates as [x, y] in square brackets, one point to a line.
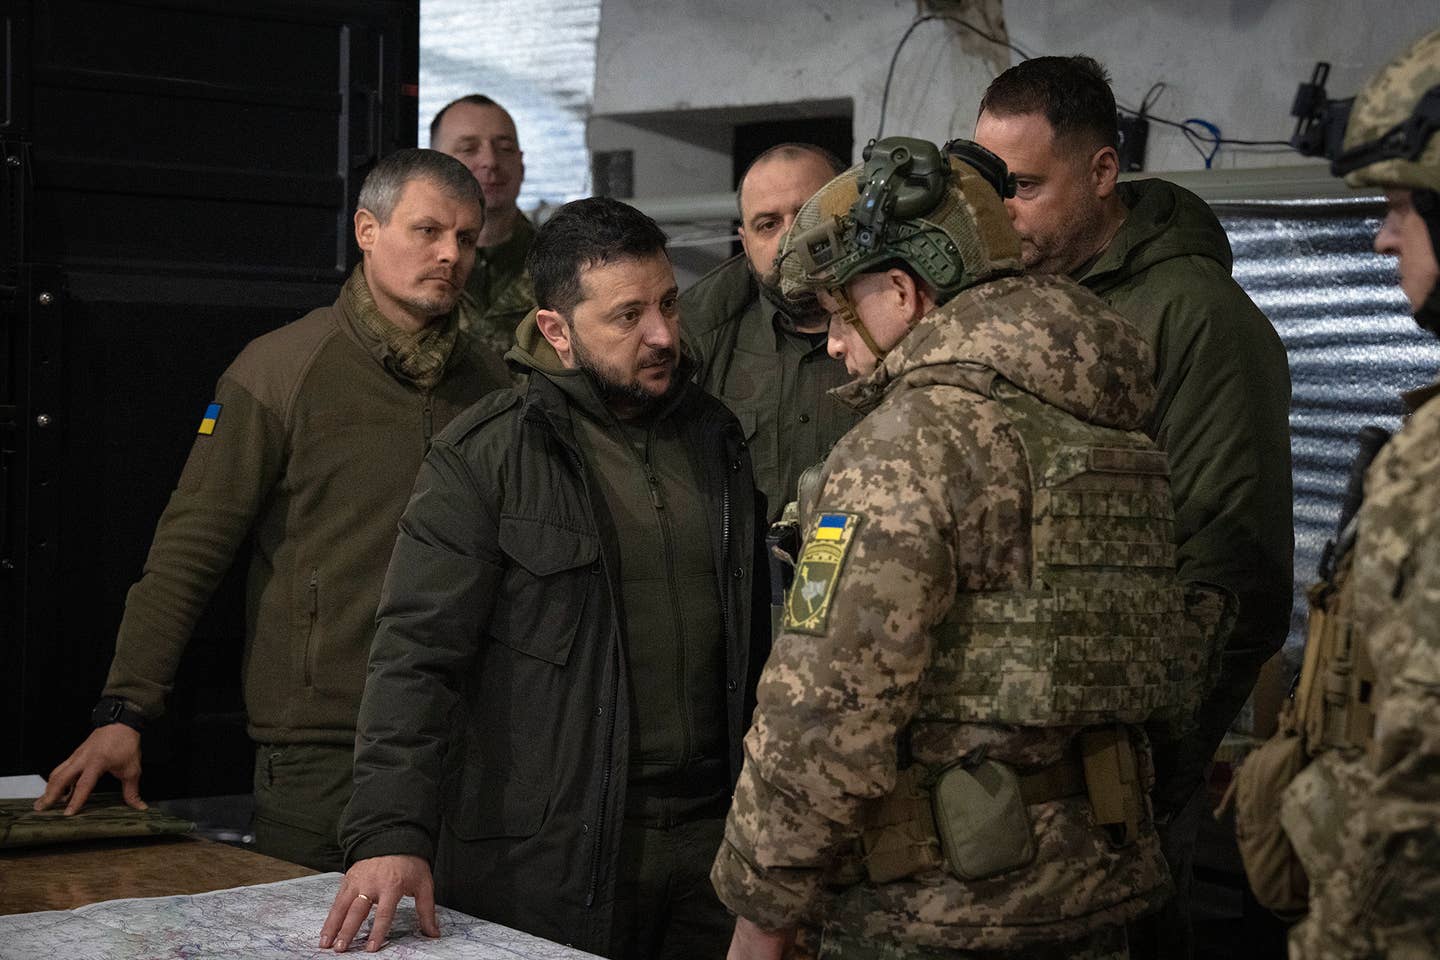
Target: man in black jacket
[569, 634]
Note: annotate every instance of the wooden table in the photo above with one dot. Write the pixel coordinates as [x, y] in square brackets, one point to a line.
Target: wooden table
[66, 876]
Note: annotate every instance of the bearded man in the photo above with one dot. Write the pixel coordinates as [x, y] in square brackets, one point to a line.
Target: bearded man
[762, 354]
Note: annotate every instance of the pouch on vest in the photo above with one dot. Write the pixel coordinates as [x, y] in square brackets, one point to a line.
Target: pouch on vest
[1112, 780]
[1287, 815]
[1274, 870]
[899, 836]
[981, 820]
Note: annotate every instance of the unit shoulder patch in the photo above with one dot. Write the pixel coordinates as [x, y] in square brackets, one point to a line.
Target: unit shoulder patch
[207, 422]
[807, 606]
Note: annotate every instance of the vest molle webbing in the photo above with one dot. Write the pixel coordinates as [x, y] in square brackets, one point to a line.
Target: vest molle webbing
[1098, 637]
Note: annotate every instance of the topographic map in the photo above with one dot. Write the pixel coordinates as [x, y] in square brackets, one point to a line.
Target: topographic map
[272, 921]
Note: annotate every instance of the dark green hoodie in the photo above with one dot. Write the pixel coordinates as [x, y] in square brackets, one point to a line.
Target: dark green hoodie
[1222, 416]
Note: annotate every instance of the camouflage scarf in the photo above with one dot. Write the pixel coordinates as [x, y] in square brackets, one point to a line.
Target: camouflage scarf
[418, 358]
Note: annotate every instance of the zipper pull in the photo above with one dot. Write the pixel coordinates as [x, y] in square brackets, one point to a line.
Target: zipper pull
[655, 500]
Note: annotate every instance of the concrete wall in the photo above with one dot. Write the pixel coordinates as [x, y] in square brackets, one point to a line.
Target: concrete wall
[1235, 63]
[535, 57]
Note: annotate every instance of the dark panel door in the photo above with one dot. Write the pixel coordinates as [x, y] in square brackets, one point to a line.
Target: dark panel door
[179, 178]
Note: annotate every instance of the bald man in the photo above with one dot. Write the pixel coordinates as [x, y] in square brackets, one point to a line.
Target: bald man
[762, 355]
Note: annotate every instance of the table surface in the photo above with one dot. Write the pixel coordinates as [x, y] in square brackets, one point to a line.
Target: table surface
[66, 876]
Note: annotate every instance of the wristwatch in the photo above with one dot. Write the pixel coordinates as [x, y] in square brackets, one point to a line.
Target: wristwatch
[115, 710]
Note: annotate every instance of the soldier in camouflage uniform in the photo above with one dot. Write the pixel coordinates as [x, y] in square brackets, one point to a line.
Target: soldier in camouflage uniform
[479, 133]
[1366, 820]
[946, 760]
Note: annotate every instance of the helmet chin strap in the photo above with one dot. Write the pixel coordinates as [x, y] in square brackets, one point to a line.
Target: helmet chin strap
[849, 314]
[1427, 205]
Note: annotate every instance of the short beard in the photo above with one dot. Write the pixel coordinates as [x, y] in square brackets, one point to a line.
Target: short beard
[1084, 231]
[431, 307]
[614, 390]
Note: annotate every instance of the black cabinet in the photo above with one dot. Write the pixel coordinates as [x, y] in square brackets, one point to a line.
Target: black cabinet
[178, 178]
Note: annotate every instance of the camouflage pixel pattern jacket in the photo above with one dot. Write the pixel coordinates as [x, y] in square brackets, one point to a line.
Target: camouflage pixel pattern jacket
[939, 479]
[1380, 901]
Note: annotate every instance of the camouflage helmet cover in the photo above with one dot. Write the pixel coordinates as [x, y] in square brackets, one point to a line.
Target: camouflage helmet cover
[963, 238]
[1388, 102]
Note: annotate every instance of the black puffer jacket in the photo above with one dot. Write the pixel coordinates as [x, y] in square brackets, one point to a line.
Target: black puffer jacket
[493, 734]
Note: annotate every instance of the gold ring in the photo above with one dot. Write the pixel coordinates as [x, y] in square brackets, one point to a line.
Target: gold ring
[361, 896]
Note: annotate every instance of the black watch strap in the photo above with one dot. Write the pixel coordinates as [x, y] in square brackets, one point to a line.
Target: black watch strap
[115, 710]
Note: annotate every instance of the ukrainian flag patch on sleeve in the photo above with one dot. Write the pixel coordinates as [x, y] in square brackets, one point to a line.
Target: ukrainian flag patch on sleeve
[207, 423]
[807, 607]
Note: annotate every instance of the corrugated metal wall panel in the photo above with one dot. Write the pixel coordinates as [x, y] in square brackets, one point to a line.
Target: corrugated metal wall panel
[535, 57]
[1352, 344]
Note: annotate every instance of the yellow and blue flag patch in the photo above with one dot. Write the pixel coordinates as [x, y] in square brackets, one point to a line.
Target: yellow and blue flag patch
[807, 607]
[207, 423]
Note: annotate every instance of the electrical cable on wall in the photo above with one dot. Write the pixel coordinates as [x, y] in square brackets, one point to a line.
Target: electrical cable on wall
[1197, 140]
[895, 57]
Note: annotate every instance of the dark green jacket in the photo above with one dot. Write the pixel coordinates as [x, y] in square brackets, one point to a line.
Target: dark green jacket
[498, 293]
[313, 453]
[494, 733]
[1223, 419]
[776, 381]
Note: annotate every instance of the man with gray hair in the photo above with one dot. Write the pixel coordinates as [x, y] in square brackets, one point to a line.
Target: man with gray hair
[309, 449]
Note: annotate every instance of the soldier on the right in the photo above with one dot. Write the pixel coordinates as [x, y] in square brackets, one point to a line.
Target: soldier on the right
[1375, 886]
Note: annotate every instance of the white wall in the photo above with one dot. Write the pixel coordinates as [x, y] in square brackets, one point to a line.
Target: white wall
[537, 59]
[1235, 63]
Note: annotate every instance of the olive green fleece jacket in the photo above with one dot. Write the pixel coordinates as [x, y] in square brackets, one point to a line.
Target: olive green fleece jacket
[1222, 417]
[313, 455]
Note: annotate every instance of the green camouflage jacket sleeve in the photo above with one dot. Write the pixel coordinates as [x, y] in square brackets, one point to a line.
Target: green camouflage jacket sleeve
[1381, 901]
[836, 691]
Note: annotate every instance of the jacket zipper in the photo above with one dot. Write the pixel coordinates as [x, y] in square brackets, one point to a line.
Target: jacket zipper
[725, 578]
[609, 758]
[677, 612]
[604, 791]
[314, 589]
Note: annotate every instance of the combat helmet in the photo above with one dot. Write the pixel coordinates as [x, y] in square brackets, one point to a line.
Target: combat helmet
[939, 211]
[1391, 137]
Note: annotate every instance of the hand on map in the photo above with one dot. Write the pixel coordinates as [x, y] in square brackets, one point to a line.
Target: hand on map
[113, 748]
[379, 882]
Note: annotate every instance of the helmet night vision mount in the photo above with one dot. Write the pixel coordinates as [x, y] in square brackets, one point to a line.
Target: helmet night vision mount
[1321, 123]
[903, 182]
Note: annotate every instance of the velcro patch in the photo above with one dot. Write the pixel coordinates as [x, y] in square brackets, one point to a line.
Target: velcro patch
[807, 606]
[207, 422]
